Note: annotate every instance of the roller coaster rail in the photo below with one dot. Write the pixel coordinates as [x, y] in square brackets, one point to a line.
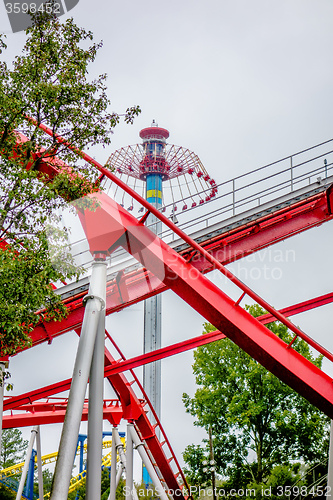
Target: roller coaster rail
[166, 441]
[208, 300]
[285, 180]
[8, 473]
[246, 192]
[196, 247]
[192, 243]
[46, 459]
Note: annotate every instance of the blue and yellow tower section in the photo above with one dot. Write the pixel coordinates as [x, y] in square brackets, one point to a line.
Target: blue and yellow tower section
[154, 168]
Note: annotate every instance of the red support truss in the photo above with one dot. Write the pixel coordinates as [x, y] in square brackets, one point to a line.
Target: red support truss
[116, 227]
[247, 238]
[53, 412]
[184, 273]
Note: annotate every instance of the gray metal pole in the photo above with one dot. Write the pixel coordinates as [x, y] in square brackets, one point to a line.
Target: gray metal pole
[113, 476]
[152, 341]
[118, 476]
[122, 468]
[95, 415]
[70, 431]
[138, 444]
[330, 466]
[129, 464]
[39, 465]
[120, 447]
[34, 431]
[152, 336]
[2, 379]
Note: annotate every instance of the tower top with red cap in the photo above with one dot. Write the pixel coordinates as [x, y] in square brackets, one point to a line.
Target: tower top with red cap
[155, 161]
[154, 132]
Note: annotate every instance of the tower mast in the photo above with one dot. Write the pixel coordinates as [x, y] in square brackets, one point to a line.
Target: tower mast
[154, 141]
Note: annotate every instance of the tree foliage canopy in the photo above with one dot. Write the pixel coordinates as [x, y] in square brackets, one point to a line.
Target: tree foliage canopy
[258, 422]
[50, 83]
[13, 447]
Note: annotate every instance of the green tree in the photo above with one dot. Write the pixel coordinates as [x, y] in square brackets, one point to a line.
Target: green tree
[13, 447]
[6, 493]
[47, 481]
[258, 422]
[49, 82]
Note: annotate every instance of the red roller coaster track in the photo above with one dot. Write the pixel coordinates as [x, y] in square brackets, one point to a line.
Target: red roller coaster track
[183, 273]
[248, 237]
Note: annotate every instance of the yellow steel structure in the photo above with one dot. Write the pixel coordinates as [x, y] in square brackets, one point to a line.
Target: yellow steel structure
[52, 457]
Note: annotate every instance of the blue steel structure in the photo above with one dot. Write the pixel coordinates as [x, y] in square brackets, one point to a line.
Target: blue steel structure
[80, 441]
[29, 485]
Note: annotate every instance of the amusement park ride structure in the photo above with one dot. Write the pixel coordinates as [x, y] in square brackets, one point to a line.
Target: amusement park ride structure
[151, 165]
[178, 262]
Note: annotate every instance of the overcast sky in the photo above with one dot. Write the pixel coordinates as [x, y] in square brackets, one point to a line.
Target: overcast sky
[242, 84]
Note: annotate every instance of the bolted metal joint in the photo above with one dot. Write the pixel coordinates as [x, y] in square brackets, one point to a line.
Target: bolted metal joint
[136, 446]
[89, 297]
[99, 256]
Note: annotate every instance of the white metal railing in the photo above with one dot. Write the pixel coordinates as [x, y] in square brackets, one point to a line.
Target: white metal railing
[239, 194]
[261, 185]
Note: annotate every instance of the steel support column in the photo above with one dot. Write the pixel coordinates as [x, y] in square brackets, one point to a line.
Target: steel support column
[29, 486]
[152, 342]
[138, 444]
[122, 457]
[39, 464]
[95, 415]
[26, 463]
[129, 464]
[113, 475]
[70, 431]
[153, 309]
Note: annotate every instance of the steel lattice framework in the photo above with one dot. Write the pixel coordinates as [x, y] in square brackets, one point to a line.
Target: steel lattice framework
[133, 161]
[193, 183]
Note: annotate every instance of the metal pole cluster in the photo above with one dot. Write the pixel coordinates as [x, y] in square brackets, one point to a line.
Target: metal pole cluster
[113, 474]
[35, 434]
[135, 440]
[88, 362]
[95, 414]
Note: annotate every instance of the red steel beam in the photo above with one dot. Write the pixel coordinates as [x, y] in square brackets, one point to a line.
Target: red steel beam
[16, 401]
[243, 241]
[13, 402]
[136, 413]
[116, 227]
[126, 394]
[202, 297]
[103, 240]
[53, 404]
[164, 352]
[204, 255]
[116, 368]
[252, 236]
[112, 414]
[299, 308]
[132, 409]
